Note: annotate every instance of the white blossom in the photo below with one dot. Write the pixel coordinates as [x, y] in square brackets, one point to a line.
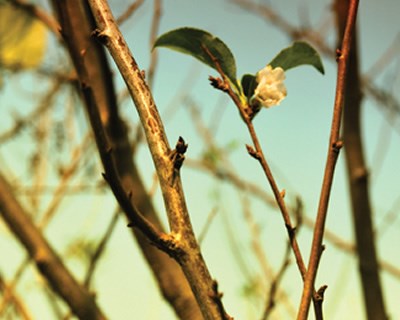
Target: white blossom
[270, 90]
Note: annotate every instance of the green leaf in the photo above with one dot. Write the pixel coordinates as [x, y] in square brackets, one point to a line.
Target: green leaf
[249, 84]
[298, 54]
[196, 42]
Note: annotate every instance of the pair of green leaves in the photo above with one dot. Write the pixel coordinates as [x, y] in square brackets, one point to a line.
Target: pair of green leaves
[208, 49]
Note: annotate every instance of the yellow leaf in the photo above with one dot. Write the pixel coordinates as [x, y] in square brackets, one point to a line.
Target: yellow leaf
[22, 38]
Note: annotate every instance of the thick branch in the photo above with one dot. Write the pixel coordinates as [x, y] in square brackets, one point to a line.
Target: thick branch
[50, 265]
[191, 260]
[93, 70]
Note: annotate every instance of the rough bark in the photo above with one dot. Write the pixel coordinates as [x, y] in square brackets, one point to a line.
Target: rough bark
[93, 70]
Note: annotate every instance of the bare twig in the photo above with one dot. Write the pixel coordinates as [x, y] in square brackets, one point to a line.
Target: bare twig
[23, 122]
[271, 297]
[333, 153]
[268, 272]
[155, 24]
[100, 248]
[129, 11]
[10, 298]
[207, 225]
[40, 14]
[224, 174]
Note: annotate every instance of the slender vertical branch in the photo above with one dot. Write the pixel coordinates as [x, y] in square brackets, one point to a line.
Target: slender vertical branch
[333, 153]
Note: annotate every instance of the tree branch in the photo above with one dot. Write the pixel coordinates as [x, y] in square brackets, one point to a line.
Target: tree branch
[333, 153]
[93, 70]
[190, 258]
[49, 264]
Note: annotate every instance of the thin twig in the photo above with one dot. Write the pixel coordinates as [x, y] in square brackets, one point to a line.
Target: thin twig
[129, 12]
[265, 266]
[333, 153]
[155, 25]
[10, 298]
[224, 174]
[207, 224]
[101, 247]
[40, 14]
[271, 297]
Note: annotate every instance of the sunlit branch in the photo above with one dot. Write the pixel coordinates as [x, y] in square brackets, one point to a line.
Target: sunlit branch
[333, 152]
[165, 161]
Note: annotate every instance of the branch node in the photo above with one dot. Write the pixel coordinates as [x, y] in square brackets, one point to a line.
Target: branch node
[283, 193]
[337, 145]
[252, 152]
[291, 230]
[338, 54]
[101, 36]
[216, 296]
[177, 155]
[319, 295]
[219, 84]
